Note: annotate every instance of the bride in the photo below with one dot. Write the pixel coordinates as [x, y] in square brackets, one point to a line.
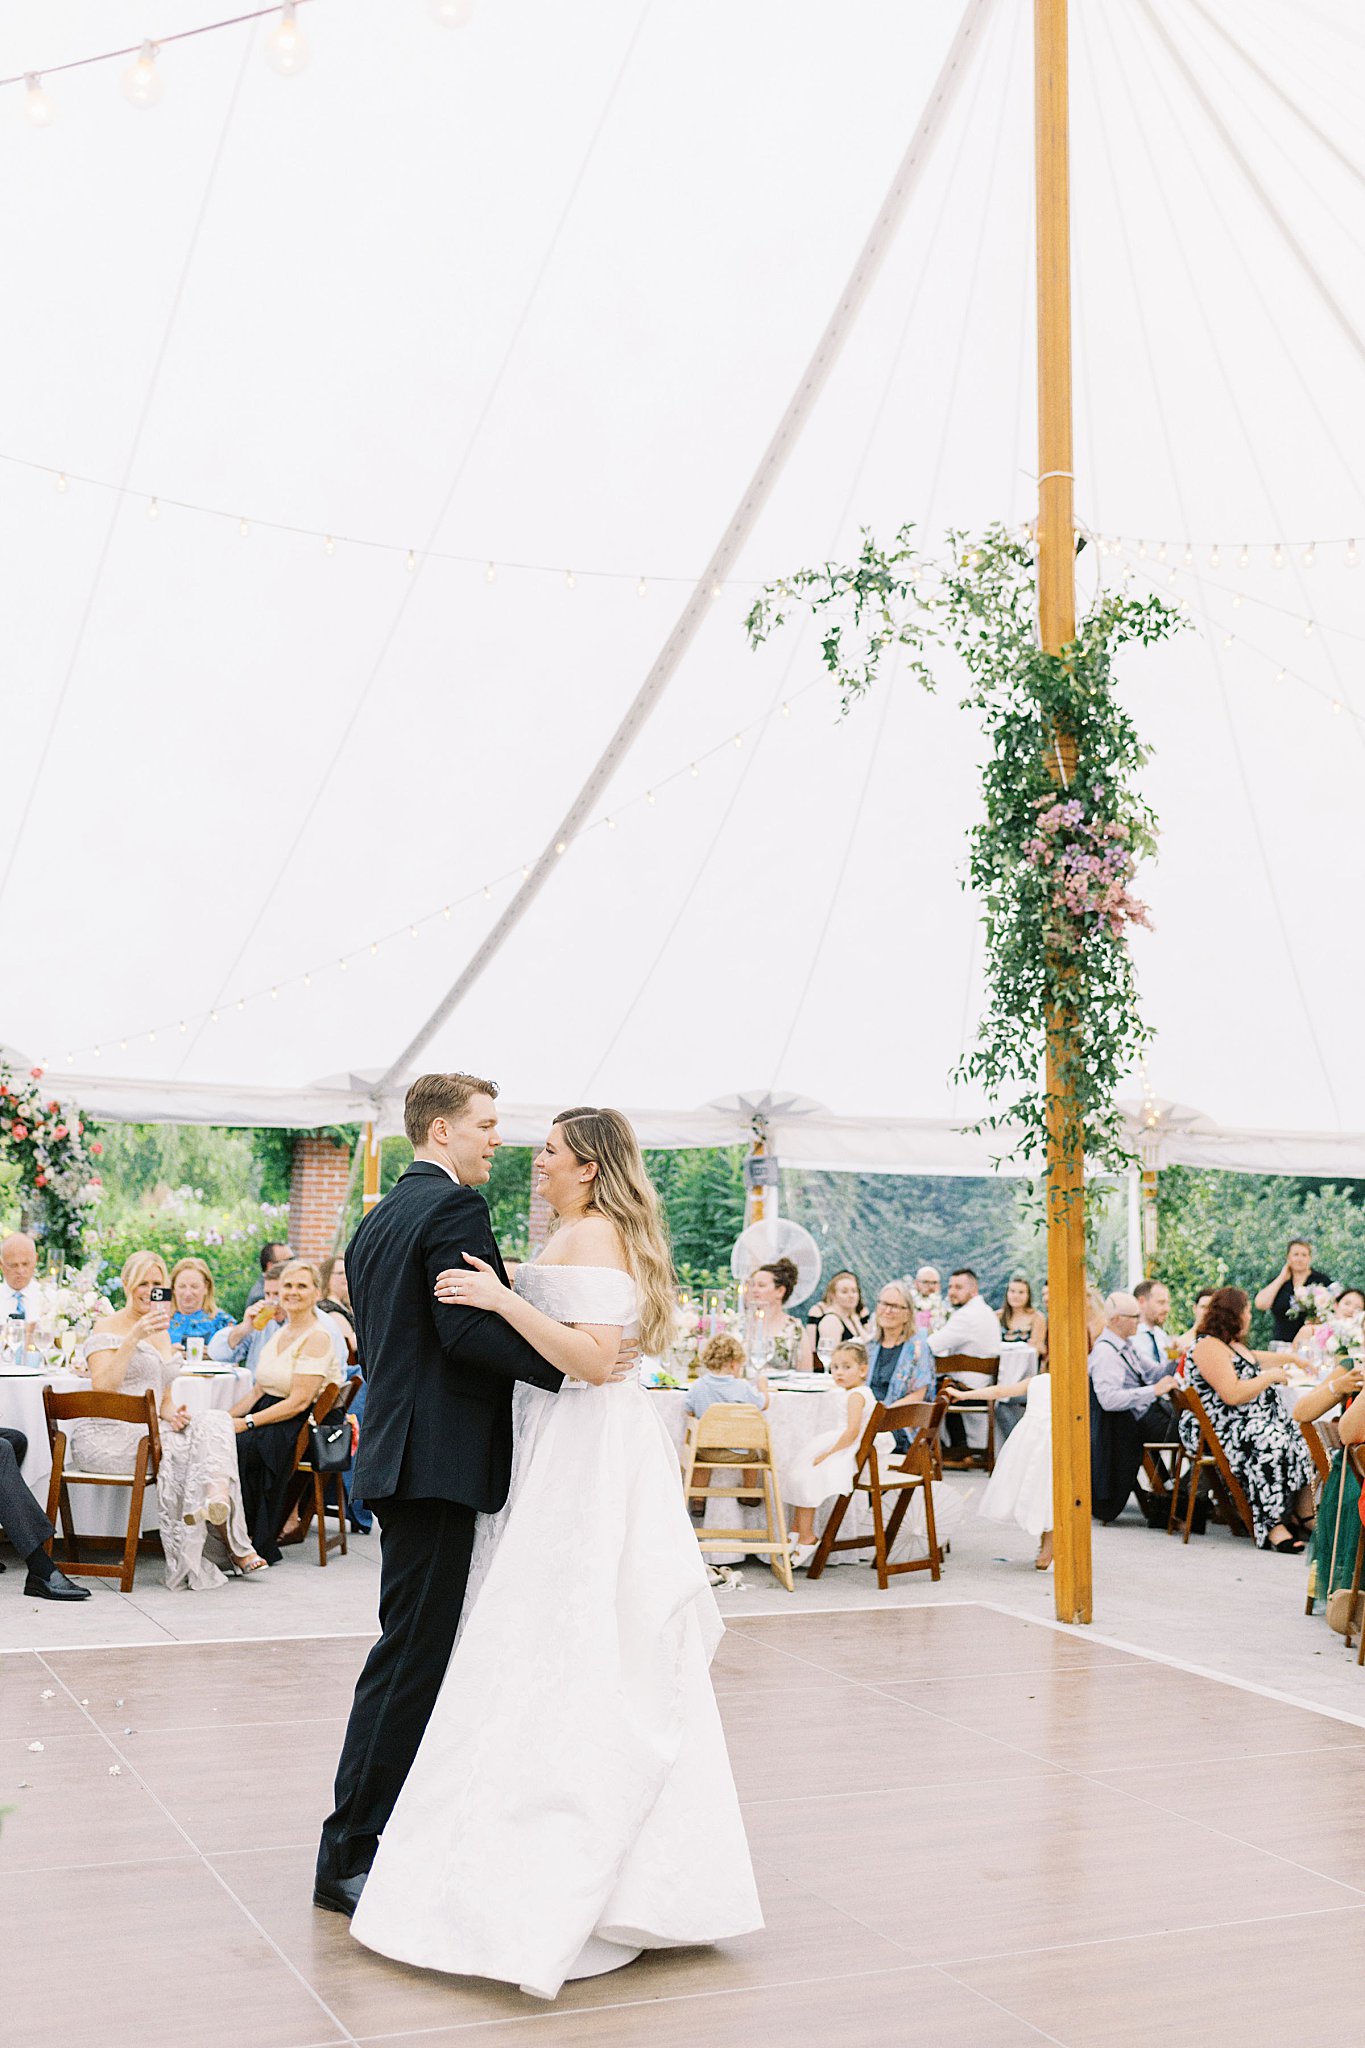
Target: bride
[572, 1803]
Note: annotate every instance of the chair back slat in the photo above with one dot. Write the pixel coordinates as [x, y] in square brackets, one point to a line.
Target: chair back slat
[731, 1426]
[1188, 1398]
[983, 1368]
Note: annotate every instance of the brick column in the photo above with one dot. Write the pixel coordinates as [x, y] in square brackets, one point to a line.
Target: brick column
[542, 1216]
[317, 1195]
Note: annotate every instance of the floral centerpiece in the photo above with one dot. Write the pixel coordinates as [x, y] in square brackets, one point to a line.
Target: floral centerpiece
[1316, 1303]
[56, 1160]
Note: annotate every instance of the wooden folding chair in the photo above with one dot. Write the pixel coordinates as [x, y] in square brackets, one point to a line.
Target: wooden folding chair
[1209, 1461]
[316, 1502]
[727, 1435]
[982, 1368]
[876, 1478]
[1317, 1451]
[137, 1408]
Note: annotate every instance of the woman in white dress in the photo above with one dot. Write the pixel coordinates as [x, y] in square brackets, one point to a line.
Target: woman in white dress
[198, 1494]
[572, 1801]
[1020, 1488]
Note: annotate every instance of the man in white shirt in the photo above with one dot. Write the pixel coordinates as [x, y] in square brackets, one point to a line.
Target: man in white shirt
[971, 1331]
[1129, 1410]
[1154, 1305]
[21, 1294]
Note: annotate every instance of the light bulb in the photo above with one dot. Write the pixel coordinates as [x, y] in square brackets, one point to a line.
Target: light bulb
[488, 895]
[1308, 629]
[342, 965]
[61, 481]
[642, 588]
[1352, 554]
[611, 824]
[285, 49]
[1161, 552]
[329, 546]
[786, 711]
[244, 528]
[142, 82]
[490, 574]
[559, 845]
[569, 579]
[1280, 674]
[1310, 554]
[1227, 639]
[451, 13]
[1188, 556]
[695, 770]
[1142, 550]
[412, 561]
[39, 111]
[153, 509]
[446, 912]
[1278, 557]
[1244, 557]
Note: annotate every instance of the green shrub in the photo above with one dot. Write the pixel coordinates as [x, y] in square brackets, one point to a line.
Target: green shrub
[229, 1240]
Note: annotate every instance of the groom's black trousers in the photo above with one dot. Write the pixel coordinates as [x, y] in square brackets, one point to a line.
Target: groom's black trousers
[424, 1570]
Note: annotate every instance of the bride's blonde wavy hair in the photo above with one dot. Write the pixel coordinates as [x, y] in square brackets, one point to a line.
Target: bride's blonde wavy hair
[623, 1192]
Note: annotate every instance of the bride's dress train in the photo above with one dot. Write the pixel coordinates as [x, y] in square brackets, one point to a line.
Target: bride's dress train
[572, 1801]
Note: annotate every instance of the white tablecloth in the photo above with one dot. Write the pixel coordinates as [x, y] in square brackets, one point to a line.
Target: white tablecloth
[98, 1510]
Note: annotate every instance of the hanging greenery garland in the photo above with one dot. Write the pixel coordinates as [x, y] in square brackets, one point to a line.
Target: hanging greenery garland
[58, 1181]
[1065, 826]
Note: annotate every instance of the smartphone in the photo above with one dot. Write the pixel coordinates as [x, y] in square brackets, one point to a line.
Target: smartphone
[160, 1295]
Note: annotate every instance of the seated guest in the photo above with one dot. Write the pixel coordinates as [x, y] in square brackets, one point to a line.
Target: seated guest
[21, 1293]
[721, 1377]
[28, 1528]
[271, 1254]
[1154, 1305]
[1332, 1561]
[1128, 1408]
[826, 1467]
[1184, 1345]
[971, 1331]
[242, 1343]
[1348, 1308]
[1020, 1321]
[296, 1363]
[129, 1352]
[336, 1305]
[194, 1311]
[1287, 1315]
[837, 1318]
[767, 1291]
[1265, 1450]
[896, 1369]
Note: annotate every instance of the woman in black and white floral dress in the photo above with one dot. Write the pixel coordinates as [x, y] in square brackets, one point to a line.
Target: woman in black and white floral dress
[1264, 1446]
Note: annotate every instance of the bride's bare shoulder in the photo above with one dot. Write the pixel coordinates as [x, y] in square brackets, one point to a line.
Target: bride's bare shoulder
[592, 1241]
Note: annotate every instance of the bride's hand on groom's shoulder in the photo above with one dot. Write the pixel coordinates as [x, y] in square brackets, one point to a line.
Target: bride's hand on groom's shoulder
[474, 1286]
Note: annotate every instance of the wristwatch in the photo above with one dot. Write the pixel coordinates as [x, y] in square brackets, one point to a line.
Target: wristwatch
[251, 1422]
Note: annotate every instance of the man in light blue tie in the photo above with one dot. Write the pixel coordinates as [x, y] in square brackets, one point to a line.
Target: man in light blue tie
[21, 1294]
[1154, 1306]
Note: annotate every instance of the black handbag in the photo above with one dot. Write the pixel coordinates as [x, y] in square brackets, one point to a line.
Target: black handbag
[329, 1443]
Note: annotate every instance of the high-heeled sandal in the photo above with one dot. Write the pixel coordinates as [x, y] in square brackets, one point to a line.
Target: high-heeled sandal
[1292, 1546]
[247, 1567]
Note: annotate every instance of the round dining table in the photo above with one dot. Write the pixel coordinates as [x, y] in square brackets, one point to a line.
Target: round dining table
[99, 1510]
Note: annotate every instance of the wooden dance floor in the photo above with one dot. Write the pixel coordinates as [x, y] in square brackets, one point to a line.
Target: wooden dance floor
[970, 1831]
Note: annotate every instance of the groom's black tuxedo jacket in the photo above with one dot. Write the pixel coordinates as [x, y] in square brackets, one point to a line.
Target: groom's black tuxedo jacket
[438, 1380]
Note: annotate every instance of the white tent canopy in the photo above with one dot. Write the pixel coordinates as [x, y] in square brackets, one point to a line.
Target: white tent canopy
[529, 298]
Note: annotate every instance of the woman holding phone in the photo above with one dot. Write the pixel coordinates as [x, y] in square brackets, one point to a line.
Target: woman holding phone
[198, 1492]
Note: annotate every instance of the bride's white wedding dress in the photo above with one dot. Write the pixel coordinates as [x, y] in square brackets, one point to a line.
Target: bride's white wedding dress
[572, 1801]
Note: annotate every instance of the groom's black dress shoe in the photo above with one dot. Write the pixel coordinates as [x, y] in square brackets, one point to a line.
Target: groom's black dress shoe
[57, 1587]
[338, 1894]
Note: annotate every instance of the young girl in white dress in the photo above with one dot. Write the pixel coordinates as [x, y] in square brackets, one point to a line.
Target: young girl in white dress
[1020, 1488]
[572, 1801]
[825, 1468]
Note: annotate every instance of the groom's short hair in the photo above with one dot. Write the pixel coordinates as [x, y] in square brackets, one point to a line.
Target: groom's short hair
[433, 1095]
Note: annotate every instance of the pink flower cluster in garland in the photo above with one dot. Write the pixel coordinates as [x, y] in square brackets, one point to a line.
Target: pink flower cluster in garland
[1089, 865]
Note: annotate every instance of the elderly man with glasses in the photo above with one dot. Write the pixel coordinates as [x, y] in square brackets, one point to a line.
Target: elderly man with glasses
[1128, 1408]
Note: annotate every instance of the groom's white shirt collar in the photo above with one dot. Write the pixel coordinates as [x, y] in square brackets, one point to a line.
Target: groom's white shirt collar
[445, 1169]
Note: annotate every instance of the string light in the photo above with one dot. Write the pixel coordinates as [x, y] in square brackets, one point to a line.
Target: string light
[569, 579]
[1352, 554]
[39, 111]
[153, 509]
[142, 82]
[1161, 552]
[285, 49]
[1244, 556]
[329, 546]
[446, 911]
[1277, 558]
[1215, 558]
[642, 588]
[1188, 556]
[244, 528]
[61, 480]
[560, 845]
[1310, 554]
[490, 574]
[412, 561]
[1308, 629]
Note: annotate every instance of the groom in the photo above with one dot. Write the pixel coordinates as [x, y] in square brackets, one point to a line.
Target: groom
[436, 1449]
